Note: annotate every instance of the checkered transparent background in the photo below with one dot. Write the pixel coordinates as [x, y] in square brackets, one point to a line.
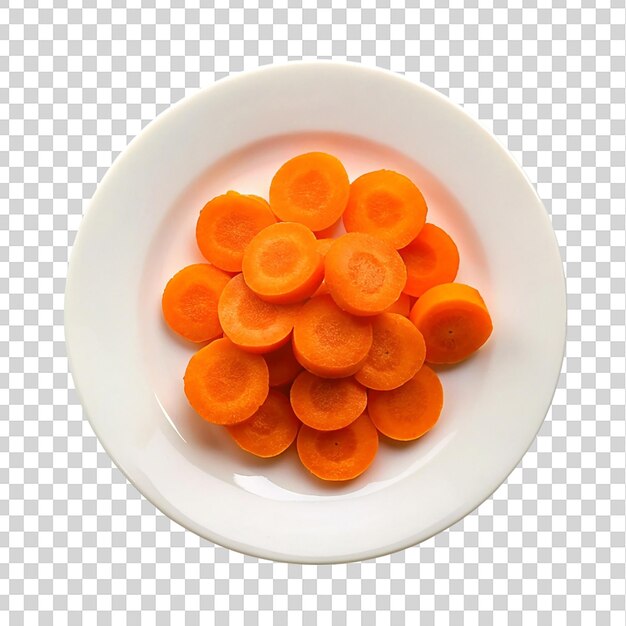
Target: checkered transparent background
[78, 82]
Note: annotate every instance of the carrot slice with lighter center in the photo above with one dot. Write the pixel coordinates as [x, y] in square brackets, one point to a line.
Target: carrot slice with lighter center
[224, 384]
[227, 224]
[454, 321]
[270, 431]
[190, 300]
[431, 259]
[410, 411]
[328, 341]
[386, 204]
[312, 189]
[397, 353]
[282, 263]
[365, 275]
[338, 454]
[327, 403]
[251, 323]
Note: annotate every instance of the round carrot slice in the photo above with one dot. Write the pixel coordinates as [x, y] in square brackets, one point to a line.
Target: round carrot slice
[282, 264]
[454, 321]
[364, 274]
[402, 306]
[397, 353]
[312, 189]
[431, 259]
[282, 365]
[327, 403]
[270, 431]
[263, 201]
[338, 454]
[251, 323]
[224, 384]
[227, 224]
[385, 204]
[328, 341]
[410, 411]
[190, 299]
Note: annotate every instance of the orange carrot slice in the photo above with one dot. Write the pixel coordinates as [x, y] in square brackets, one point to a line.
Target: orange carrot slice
[270, 431]
[328, 341]
[251, 323]
[364, 274]
[282, 365]
[262, 200]
[327, 403]
[323, 245]
[189, 302]
[409, 411]
[224, 384]
[339, 454]
[402, 306]
[431, 259]
[226, 225]
[322, 290]
[281, 264]
[385, 204]
[454, 321]
[397, 353]
[312, 189]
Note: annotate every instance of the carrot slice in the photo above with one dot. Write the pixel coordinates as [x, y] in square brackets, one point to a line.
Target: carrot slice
[189, 301]
[454, 320]
[262, 200]
[385, 204]
[409, 411]
[281, 264]
[224, 384]
[329, 233]
[327, 403]
[322, 290]
[251, 323]
[397, 353]
[270, 431]
[431, 259]
[312, 189]
[226, 225]
[364, 274]
[323, 245]
[328, 341]
[282, 365]
[339, 454]
[402, 306]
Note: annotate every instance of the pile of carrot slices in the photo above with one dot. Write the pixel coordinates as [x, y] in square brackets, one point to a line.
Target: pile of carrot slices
[323, 340]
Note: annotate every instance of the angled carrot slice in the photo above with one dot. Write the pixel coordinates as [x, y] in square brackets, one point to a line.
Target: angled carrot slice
[190, 299]
[226, 225]
[431, 259]
[328, 341]
[224, 384]
[327, 403]
[251, 323]
[338, 454]
[409, 411]
[312, 189]
[270, 431]
[386, 204]
[397, 353]
[454, 321]
[365, 275]
[282, 264]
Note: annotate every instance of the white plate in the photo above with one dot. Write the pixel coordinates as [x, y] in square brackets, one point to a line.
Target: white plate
[139, 230]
